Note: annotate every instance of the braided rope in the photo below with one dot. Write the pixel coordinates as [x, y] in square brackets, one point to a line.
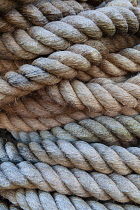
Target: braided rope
[124, 130]
[77, 154]
[59, 35]
[38, 14]
[59, 178]
[31, 199]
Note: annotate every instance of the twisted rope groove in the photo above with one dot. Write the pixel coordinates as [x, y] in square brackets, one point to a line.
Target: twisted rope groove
[6, 5]
[74, 181]
[29, 199]
[64, 64]
[78, 154]
[122, 130]
[39, 14]
[58, 35]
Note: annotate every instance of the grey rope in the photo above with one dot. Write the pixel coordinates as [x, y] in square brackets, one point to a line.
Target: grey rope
[75, 181]
[32, 199]
[78, 154]
[122, 129]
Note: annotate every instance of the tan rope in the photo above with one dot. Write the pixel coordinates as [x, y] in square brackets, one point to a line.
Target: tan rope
[6, 206]
[38, 14]
[78, 154]
[59, 35]
[66, 68]
[6, 5]
[31, 199]
[119, 130]
[59, 178]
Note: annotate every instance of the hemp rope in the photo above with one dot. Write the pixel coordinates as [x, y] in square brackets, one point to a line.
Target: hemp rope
[31, 78]
[124, 130]
[6, 5]
[5, 206]
[113, 98]
[70, 181]
[11, 65]
[104, 46]
[32, 199]
[77, 154]
[59, 35]
[38, 14]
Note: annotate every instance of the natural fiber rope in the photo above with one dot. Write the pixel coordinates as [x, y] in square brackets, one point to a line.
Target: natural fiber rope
[122, 130]
[59, 178]
[59, 35]
[113, 97]
[11, 65]
[78, 154]
[38, 14]
[6, 5]
[32, 199]
[38, 78]
[6, 206]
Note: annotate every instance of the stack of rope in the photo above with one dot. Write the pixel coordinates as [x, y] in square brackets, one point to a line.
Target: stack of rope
[69, 105]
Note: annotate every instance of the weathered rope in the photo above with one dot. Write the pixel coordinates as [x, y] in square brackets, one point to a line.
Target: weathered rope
[113, 98]
[78, 182]
[6, 206]
[77, 154]
[38, 14]
[6, 5]
[122, 130]
[59, 35]
[33, 77]
[11, 65]
[31, 199]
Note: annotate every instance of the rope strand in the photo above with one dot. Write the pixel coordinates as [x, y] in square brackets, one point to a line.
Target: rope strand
[39, 14]
[30, 199]
[59, 178]
[77, 154]
[58, 35]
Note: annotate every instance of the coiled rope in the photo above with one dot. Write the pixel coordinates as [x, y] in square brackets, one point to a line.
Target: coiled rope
[31, 199]
[74, 181]
[38, 14]
[77, 154]
[59, 35]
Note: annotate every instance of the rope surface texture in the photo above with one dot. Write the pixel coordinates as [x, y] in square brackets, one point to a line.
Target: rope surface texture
[70, 181]
[77, 154]
[32, 199]
[122, 130]
[39, 14]
[74, 29]
[114, 98]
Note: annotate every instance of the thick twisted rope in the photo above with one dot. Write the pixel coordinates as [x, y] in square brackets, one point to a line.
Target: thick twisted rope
[33, 77]
[6, 5]
[59, 35]
[30, 199]
[11, 65]
[122, 130]
[77, 154]
[6, 206]
[38, 14]
[60, 179]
